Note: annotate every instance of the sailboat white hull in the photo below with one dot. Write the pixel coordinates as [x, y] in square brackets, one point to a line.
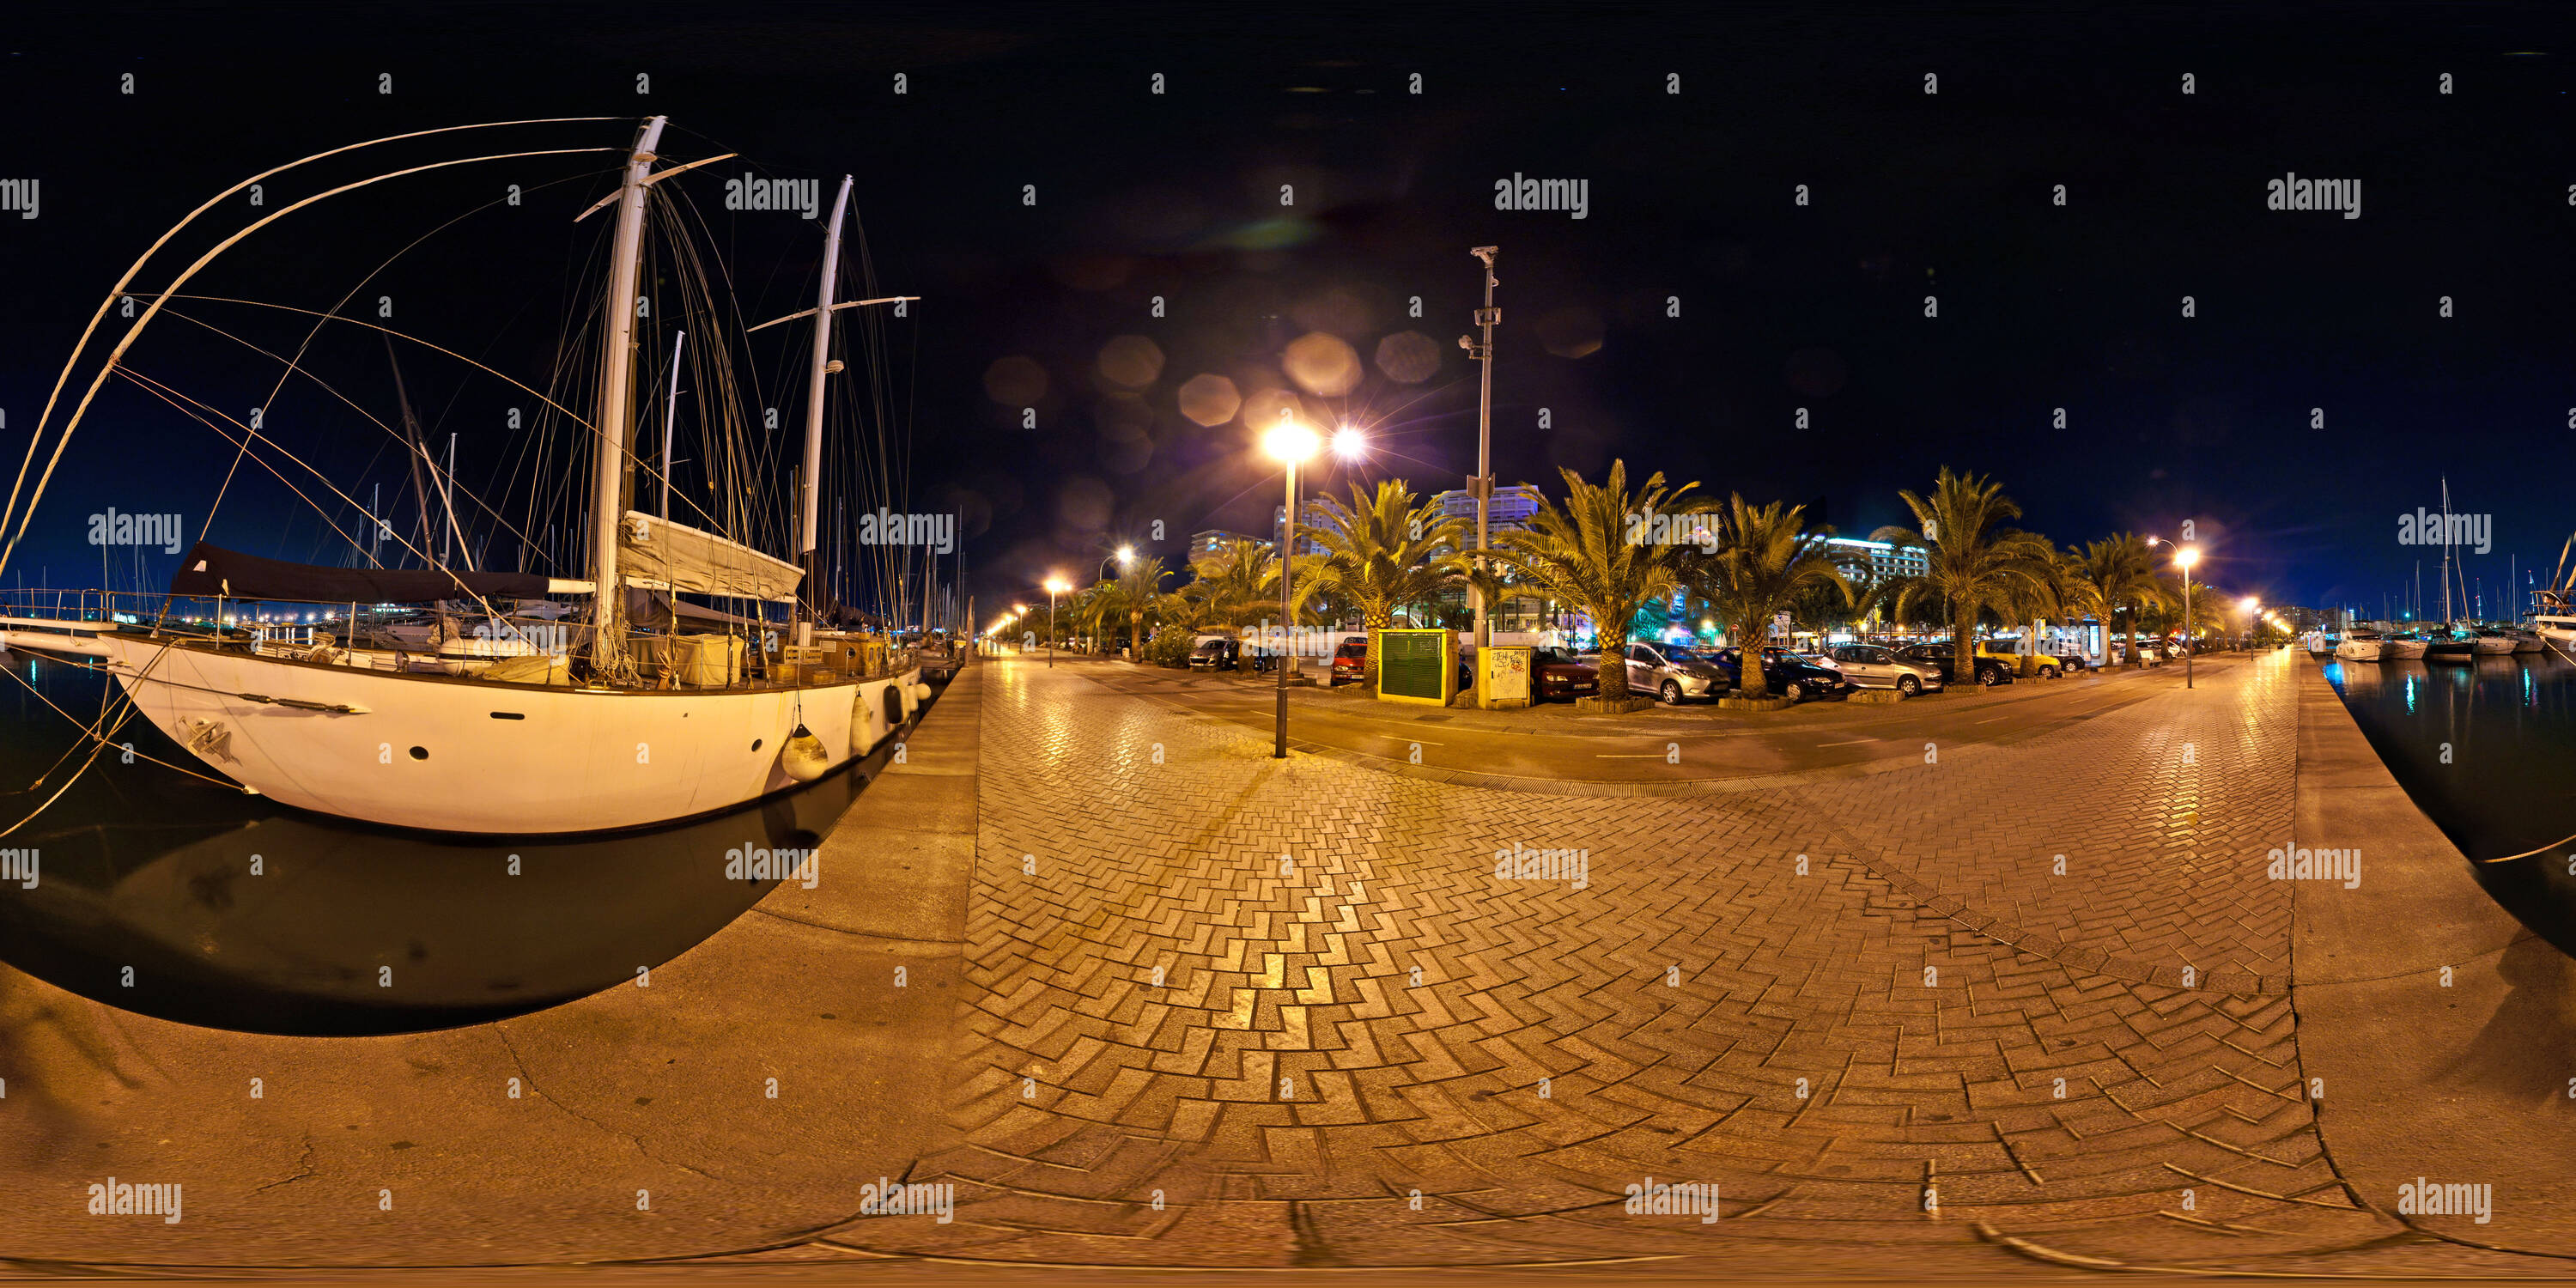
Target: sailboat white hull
[2352, 650]
[2399, 650]
[460, 755]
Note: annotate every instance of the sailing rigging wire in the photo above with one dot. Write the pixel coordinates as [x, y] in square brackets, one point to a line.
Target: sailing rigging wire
[63, 437]
[117, 291]
[100, 740]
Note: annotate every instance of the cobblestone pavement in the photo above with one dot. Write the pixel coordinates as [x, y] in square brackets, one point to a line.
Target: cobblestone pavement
[1231, 1011]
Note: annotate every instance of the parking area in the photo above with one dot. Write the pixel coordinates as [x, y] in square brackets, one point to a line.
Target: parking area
[1691, 747]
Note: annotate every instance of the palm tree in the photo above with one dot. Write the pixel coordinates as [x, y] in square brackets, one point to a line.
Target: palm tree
[1975, 563]
[1226, 590]
[1135, 593]
[1765, 559]
[1086, 609]
[2118, 578]
[2054, 589]
[1585, 554]
[1382, 550]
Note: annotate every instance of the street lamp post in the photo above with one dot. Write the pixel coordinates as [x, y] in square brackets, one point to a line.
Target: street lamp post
[1291, 444]
[1126, 557]
[1055, 586]
[1483, 484]
[2186, 556]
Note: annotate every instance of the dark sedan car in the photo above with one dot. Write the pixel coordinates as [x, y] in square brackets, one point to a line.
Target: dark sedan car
[1784, 673]
[1990, 671]
[1563, 676]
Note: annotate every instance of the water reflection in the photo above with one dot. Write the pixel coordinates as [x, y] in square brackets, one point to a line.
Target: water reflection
[2488, 751]
[235, 912]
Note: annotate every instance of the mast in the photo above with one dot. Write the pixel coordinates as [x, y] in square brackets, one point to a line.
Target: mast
[2446, 552]
[806, 552]
[607, 509]
[412, 448]
[670, 413]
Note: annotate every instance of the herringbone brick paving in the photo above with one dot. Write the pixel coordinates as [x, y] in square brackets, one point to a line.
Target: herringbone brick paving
[1238, 1011]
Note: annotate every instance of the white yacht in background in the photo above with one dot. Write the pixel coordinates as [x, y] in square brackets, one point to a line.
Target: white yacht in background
[2553, 611]
[2494, 644]
[616, 726]
[2402, 648]
[2359, 646]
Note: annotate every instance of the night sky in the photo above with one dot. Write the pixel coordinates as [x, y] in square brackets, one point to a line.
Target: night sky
[2469, 195]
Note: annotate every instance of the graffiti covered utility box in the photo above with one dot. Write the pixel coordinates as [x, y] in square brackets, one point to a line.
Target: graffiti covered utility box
[1503, 676]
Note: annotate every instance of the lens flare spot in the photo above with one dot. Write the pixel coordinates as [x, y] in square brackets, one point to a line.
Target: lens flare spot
[1408, 357]
[1210, 400]
[1322, 364]
[1131, 361]
[1015, 381]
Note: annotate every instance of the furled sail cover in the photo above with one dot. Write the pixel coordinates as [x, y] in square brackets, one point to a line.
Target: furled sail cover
[658, 554]
[212, 570]
[655, 608]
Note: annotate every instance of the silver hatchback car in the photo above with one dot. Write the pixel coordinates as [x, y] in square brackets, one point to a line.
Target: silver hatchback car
[1674, 672]
[1872, 666]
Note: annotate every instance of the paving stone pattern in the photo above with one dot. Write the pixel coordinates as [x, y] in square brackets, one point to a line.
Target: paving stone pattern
[1233, 1011]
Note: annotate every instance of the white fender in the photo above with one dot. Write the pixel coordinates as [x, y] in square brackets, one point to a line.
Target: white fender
[802, 757]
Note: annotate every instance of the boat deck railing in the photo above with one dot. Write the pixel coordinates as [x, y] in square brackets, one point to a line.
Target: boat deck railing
[543, 646]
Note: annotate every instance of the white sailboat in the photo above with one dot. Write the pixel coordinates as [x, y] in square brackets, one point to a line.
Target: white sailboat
[2448, 643]
[677, 730]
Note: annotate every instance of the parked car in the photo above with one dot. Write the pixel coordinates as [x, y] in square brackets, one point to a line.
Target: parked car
[1989, 671]
[1675, 672]
[1790, 675]
[1876, 666]
[1217, 655]
[2048, 664]
[1562, 675]
[1350, 661]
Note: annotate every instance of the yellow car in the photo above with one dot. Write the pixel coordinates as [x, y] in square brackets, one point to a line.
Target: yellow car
[2050, 666]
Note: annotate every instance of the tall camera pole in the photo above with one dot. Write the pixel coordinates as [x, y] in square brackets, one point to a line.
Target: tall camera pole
[1483, 484]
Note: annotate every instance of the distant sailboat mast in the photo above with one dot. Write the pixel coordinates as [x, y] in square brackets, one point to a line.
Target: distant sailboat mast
[2446, 553]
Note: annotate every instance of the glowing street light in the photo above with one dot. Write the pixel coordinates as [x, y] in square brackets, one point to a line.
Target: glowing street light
[1349, 443]
[1292, 445]
[1055, 585]
[2184, 557]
